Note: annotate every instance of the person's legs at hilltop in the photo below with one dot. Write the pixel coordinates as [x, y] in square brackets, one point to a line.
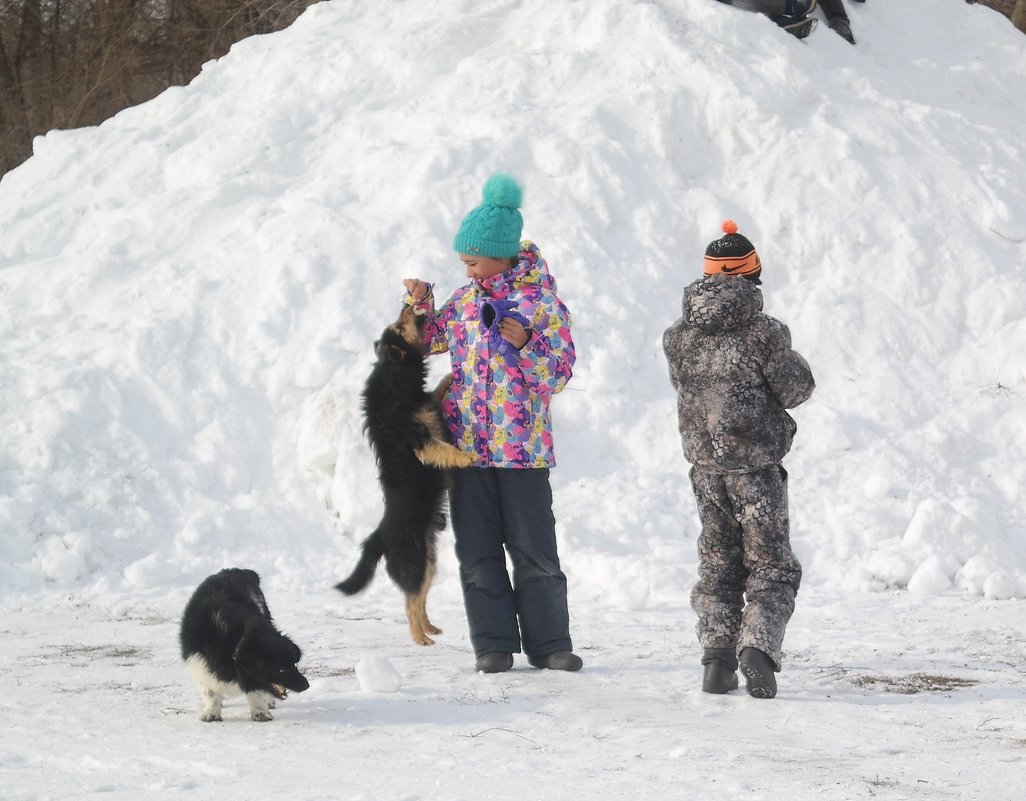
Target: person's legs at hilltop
[837, 19]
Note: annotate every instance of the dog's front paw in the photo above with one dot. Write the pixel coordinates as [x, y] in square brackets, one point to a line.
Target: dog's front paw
[467, 458]
[261, 717]
[211, 717]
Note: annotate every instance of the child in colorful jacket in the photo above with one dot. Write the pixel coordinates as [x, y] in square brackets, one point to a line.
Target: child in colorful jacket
[735, 374]
[508, 339]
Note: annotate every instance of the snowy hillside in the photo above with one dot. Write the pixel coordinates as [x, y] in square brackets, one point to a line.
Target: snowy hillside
[191, 289]
[189, 294]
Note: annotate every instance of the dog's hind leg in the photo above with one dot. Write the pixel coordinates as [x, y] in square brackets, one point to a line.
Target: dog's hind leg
[429, 579]
[416, 611]
[259, 706]
[416, 617]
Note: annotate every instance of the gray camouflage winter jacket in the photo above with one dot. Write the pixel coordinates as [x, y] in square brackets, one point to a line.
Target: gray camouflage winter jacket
[735, 373]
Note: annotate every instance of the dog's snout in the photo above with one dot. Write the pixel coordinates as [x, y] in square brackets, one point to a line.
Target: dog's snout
[297, 682]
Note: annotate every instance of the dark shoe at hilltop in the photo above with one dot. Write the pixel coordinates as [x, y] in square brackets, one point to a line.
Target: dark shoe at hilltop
[799, 27]
[842, 29]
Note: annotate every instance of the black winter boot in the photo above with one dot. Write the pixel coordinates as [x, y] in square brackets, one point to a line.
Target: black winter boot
[758, 669]
[494, 662]
[720, 666]
[560, 660]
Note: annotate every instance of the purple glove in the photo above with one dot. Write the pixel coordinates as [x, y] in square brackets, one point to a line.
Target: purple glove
[492, 313]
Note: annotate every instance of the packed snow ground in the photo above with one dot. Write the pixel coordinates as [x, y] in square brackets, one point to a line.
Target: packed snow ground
[188, 297]
[886, 696]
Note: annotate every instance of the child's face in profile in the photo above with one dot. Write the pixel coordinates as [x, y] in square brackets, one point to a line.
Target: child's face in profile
[481, 267]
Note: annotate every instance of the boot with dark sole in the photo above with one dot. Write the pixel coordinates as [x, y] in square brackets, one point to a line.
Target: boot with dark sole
[759, 671]
[799, 27]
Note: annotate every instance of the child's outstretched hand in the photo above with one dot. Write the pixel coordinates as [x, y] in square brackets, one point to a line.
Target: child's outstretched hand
[418, 289]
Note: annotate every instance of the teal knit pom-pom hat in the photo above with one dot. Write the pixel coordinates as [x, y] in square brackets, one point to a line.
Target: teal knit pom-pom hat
[493, 228]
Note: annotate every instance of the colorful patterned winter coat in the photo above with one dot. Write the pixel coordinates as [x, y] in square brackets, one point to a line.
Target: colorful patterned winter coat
[498, 404]
[735, 373]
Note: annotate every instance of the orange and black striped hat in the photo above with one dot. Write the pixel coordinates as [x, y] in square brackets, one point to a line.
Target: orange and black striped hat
[732, 254]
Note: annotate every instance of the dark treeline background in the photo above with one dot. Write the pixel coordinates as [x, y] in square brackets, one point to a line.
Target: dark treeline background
[70, 63]
[1014, 9]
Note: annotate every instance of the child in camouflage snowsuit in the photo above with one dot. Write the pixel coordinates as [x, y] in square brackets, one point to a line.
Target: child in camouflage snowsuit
[735, 373]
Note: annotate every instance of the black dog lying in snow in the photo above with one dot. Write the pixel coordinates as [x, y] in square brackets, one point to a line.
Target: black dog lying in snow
[231, 646]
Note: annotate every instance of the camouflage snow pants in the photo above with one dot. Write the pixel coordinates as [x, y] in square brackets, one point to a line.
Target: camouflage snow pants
[744, 555]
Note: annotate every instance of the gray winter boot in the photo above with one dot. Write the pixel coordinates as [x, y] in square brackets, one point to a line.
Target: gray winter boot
[758, 669]
[560, 660]
[720, 670]
[494, 662]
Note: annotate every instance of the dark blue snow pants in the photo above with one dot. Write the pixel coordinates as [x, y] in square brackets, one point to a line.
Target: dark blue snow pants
[495, 507]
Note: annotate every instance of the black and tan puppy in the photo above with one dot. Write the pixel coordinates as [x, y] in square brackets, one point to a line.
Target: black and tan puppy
[231, 646]
[410, 440]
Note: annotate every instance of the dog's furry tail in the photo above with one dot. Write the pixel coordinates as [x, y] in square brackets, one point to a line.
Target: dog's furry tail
[364, 570]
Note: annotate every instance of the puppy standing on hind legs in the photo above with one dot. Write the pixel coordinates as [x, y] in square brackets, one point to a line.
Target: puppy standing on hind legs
[408, 435]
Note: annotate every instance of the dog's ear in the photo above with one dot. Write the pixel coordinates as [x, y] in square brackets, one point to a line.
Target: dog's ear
[395, 354]
[295, 652]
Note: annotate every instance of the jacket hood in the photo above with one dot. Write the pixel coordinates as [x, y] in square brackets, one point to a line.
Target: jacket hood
[530, 270]
[720, 303]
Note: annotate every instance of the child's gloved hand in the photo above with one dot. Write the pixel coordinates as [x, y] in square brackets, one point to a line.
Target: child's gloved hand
[513, 332]
[505, 326]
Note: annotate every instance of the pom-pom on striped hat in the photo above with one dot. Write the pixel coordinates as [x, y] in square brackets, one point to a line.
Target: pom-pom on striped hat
[493, 229]
[732, 254]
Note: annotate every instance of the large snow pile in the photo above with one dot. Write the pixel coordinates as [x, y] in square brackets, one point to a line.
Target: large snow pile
[189, 295]
[190, 290]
